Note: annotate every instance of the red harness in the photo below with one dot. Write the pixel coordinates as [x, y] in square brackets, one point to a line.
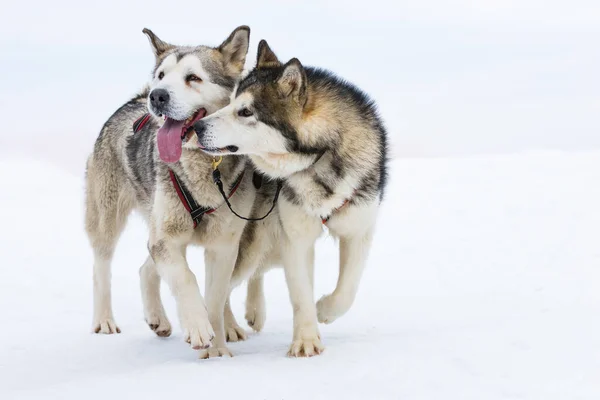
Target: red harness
[196, 211]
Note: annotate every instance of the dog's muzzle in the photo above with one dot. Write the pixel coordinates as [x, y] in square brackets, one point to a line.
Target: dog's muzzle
[200, 128]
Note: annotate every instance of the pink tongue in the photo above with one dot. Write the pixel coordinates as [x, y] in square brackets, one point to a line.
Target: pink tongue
[169, 140]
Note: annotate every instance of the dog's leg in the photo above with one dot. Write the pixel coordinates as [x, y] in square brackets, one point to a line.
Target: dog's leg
[297, 262]
[233, 332]
[254, 259]
[106, 213]
[311, 268]
[353, 257]
[256, 311]
[154, 312]
[219, 262]
[169, 257]
[103, 321]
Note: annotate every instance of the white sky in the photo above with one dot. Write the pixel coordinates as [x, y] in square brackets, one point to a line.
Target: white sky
[451, 77]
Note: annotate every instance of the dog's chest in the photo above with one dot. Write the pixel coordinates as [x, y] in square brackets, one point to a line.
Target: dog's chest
[218, 229]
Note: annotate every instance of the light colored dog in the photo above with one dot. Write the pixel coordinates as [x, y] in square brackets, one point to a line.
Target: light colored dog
[128, 171]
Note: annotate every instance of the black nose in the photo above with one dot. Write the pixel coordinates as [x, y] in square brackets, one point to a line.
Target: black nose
[200, 128]
[159, 98]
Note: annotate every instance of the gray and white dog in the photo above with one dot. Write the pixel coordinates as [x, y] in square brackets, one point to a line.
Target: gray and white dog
[128, 171]
[324, 139]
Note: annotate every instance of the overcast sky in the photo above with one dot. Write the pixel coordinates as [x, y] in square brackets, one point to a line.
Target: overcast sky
[451, 77]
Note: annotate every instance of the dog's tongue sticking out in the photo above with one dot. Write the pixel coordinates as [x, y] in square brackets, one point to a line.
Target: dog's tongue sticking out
[169, 140]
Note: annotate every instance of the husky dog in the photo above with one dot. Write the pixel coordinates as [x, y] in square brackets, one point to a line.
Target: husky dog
[128, 171]
[324, 139]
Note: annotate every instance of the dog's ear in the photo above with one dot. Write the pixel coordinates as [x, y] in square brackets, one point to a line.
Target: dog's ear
[158, 46]
[266, 58]
[292, 81]
[235, 48]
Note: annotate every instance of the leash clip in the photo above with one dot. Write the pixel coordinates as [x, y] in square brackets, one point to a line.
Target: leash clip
[216, 161]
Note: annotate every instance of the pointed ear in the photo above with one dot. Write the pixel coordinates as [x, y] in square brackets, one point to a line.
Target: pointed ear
[235, 48]
[158, 46]
[292, 81]
[266, 58]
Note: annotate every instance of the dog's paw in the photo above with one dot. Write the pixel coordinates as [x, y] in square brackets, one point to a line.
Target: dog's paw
[106, 326]
[215, 352]
[306, 347]
[199, 334]
[235, 333]
[330, 308]
[160, 326]
[256, 316]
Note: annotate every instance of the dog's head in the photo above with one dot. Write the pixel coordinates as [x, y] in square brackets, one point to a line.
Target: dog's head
[265, 116]
[189, 83]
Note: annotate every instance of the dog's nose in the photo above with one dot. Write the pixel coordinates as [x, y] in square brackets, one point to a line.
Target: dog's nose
[159, 98]
[200, 128]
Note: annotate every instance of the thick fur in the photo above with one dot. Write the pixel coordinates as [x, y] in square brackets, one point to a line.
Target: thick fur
[323, 137]
[124, 173]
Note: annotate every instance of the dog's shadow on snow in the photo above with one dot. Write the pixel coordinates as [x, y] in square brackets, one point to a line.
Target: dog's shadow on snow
[89, 355]
[145, 350]
[150, 350]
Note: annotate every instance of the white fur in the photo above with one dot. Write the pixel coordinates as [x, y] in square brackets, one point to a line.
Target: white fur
[172, 266]
[154, 312]
[233, 331]
[256, 312]
[103, 320]
[317, 205]
[282, 165]
[355, 227]
[187, 98]
[301, 232]
[219, 266]
[226, 128]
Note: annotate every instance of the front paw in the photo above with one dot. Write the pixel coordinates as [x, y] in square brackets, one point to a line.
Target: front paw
[107, 326]
[306, 347]
[215, 352]
[199, 334]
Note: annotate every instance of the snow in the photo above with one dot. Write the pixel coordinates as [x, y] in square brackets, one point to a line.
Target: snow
[482, 284]
[485, 273]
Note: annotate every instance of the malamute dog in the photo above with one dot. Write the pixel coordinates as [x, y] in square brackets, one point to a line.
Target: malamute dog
[324, 139]
[128, 171]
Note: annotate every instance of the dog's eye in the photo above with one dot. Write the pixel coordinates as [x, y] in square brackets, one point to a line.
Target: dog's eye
[161, 75]
[244, 112]
[192, 78]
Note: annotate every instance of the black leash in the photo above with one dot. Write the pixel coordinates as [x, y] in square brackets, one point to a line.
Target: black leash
[197, 211]
[217, 180]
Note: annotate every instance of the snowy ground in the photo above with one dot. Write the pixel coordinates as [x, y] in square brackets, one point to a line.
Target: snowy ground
[483, 284]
